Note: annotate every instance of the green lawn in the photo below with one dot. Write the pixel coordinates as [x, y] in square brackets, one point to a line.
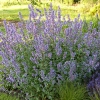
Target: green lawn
[11, 12]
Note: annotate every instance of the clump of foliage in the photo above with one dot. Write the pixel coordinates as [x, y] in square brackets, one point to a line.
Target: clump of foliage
[85, 8]
[35, 2]
[71, 91]
[4, 96]
[89, 1]
[95, 9]
[40, 54]
[94, 84]
[69, 2]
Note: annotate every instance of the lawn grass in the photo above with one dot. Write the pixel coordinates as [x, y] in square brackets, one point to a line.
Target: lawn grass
[11, 12]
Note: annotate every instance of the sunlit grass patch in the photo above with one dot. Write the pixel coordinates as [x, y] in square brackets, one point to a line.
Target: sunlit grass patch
[4, 96]
[11, 13]
[13, 2]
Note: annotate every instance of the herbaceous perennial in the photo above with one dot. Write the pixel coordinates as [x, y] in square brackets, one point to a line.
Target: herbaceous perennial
[39, 55]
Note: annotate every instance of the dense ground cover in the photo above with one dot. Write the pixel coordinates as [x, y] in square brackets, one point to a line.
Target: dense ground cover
[40, 55]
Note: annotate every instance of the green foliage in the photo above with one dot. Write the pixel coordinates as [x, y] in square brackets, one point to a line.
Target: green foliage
[95, 9]
[70, 2]
[84, 8]
[89, 1]
[76, 1]
[13, 2]
[35, 2]
[94, 97]
[39, 88]
[2, 29]
[4, 96]
[70, 91]
[33, 87]
[95, 23]
[46, 89]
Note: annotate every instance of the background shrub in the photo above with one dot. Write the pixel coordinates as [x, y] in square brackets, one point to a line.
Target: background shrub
[94, 84]
[13, 2]
[95, 9]
[70, 2]
[89, 1]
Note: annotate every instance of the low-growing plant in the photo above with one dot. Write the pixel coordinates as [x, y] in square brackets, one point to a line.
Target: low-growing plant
[95, 96]
[94, 24]
[40, 54]
[94, 84]
[4, 96]
[71, 91]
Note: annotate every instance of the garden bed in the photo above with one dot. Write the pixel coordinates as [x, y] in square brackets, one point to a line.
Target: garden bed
[51, 59]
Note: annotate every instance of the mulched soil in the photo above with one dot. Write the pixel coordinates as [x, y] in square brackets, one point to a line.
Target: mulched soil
[12, 21]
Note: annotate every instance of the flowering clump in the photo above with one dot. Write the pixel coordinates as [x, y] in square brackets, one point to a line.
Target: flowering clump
[94, 84]
[40, 54]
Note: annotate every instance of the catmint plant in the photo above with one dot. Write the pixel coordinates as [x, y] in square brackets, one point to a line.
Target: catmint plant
[94, 82]
[41, 54]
